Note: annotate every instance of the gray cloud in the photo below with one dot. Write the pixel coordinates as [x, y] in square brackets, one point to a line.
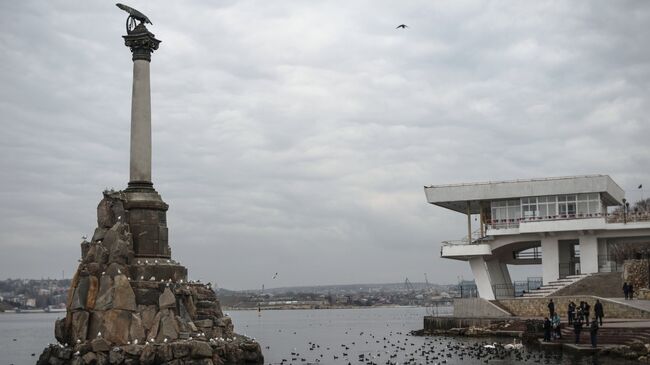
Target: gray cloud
[295, 137]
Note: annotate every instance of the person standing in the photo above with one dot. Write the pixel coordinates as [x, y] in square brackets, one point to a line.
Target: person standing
[547, 329]
[556, 324]
[571, 312]
[577, 328]
[630, 291]
[593, 332]
[626, 290]
[587, 310]
[598, 311]
[551, 308]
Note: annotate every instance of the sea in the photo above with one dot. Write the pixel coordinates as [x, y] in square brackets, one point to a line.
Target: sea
[323, 336]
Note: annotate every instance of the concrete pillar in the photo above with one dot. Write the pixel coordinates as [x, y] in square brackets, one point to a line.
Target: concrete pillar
[481, 278]
[588, 254]
[550, 260]
[141, 123]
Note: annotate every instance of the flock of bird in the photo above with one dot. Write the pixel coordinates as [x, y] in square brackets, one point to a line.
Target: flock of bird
[397, 348]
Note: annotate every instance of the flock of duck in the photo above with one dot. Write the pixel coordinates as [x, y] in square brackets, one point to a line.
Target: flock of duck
[397, 348]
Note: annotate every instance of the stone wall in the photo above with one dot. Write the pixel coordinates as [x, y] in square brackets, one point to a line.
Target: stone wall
[477, 307]
[635, 272]
[537, 307]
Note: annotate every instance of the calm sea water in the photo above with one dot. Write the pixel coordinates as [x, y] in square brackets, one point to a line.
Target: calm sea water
[335, 337]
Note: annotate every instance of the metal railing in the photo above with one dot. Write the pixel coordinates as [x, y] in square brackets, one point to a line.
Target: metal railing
[465, 291]
[608, 263]
[517, 288]
[630, 217]
[569, 268]
[465, 240]
[529, 253]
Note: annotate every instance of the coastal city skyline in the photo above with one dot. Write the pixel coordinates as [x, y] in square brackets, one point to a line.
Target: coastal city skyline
[303, 151]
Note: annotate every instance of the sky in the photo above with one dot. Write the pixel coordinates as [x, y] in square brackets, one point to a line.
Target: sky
[296, 136]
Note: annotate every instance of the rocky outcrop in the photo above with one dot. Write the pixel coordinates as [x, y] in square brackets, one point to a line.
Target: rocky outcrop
[124, 309]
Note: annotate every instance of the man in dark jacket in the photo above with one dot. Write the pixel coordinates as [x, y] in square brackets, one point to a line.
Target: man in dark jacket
[593, 332]
[551, 308]
[598, 311]
[577, 328]
[586, 310]
[571, 312]
[626, 290]
[630, 290]
[547, 329]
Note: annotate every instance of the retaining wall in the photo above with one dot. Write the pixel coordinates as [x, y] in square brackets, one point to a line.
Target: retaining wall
[477, 307]
[538, 307]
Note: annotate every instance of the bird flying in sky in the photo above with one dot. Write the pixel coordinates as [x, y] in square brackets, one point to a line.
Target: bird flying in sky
[275, 275]
[403, 26]
[640, 186]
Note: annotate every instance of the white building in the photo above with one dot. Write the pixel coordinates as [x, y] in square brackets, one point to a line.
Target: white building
[569, 225]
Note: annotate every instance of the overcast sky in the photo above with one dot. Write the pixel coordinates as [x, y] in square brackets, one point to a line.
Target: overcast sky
[296, 136]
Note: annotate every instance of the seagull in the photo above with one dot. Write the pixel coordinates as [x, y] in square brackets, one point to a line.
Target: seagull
[275, 275]
[135, 342]
[119, 271]
[640, 186]
[99, 334]
[403, 26]
[84, 237]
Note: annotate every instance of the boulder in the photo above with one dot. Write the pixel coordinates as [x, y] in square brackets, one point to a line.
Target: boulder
[167, 328]
[120, 253]
[133, 350]
[79, 325]
[99, 234]
[116, 357]
[123, 295]
[167, 299]
[200, 350]
[148, 356]
[165, 353]
[147, 313]
[89, 358]
[96, 324]
[181, 349]
[73, 285]
[116, 326]
[136, 331]
[100, 345]
[105, 217]
[93, 289]
[81, 292]
[105, 296]
[60, 332]
[115, 269]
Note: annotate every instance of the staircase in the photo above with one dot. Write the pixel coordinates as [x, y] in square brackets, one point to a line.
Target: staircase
[553, 286]
[608, 335]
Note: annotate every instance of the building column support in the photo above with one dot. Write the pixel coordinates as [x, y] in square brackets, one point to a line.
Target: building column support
[469, 224]
[482, 278]
[550, 260]
[588, 254]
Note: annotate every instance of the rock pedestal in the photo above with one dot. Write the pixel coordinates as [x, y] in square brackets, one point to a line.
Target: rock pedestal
[128, 309]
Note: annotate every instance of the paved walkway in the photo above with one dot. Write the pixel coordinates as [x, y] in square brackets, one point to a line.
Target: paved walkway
[635, 303]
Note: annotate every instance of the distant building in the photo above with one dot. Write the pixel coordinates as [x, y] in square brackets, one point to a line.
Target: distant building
[569, 225]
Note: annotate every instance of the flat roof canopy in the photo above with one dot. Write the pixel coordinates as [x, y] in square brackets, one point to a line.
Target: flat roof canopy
[457, 196]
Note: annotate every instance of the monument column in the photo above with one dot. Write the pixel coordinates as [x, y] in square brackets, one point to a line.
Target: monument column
[142, 44]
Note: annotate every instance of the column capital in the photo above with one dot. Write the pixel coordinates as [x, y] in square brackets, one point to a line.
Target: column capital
[142, 42]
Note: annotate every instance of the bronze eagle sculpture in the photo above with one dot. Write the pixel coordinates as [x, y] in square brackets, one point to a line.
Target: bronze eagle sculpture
[133, 15]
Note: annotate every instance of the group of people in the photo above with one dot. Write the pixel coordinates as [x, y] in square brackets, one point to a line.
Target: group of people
[578, 316]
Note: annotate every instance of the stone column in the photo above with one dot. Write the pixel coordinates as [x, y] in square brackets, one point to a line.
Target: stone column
[142, 44]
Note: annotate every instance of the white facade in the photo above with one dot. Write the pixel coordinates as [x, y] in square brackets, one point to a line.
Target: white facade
[569, 225]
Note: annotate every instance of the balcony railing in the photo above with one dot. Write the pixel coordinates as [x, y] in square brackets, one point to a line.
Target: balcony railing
[631, 217]
[609, 218]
